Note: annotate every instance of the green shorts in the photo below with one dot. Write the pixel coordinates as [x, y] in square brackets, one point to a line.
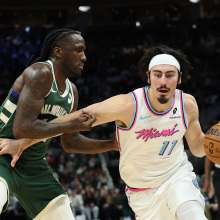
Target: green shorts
[32, 182]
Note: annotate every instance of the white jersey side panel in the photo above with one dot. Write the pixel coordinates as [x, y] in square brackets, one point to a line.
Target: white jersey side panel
[151, 148]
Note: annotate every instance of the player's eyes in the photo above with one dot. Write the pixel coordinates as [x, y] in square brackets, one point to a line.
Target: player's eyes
[169, 75]
[157, 75]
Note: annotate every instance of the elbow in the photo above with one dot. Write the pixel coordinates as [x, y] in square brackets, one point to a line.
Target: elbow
[68, 142]
[67, 149]
[199, 154]
[18, 134]
[66, 146]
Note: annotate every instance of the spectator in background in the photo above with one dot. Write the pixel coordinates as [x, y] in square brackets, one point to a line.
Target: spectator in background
[117, 202]
[77, 204]
[90, 203]
[210, 182]
[107, 211]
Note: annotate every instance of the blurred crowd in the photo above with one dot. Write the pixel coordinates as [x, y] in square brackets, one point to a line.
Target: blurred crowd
[92, 181]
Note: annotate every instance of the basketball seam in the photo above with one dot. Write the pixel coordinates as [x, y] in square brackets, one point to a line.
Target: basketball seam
[211, 139]
[217, 125]
[213, 156]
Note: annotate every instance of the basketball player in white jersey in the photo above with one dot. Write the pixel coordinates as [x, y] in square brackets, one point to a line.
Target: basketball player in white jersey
[150, 125]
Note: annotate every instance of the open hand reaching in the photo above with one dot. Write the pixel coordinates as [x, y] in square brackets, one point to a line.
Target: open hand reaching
[12, 147]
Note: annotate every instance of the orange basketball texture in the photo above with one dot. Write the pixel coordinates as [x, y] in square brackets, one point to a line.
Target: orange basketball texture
[212, 143]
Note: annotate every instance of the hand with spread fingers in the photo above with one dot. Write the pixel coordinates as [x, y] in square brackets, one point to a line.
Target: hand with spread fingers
[15, 147]
[12, 147]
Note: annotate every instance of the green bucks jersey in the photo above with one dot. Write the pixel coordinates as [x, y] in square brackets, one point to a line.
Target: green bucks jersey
[55, 105]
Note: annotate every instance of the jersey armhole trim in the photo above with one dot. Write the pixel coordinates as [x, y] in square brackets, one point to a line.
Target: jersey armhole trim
[118, 128]
[73, 98]
[49, 63]
[185, 123]
[152, 111]
[134, 115]
[15, 94]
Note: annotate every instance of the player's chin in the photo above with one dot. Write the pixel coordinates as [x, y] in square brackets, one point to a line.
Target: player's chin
[77, 73]
[163, 99]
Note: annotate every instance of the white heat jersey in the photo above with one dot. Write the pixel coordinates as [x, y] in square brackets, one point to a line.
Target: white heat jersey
[151, 148]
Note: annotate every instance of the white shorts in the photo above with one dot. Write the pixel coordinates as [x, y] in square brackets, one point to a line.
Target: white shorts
[161, 203]
[58, 208]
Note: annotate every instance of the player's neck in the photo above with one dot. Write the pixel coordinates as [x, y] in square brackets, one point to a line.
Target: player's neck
[59, 77]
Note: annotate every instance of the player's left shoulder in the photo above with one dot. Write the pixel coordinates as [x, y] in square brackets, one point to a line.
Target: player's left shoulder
[189, 99]
[73, 87]
[190, 104]
[76, 96]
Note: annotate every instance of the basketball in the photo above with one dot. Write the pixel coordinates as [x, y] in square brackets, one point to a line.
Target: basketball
[212, 143]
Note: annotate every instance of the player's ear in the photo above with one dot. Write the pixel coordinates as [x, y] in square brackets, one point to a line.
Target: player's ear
[57, 52]
[148, 76]
[179, 77]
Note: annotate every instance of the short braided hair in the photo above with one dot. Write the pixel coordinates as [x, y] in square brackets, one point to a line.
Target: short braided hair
[52, 40]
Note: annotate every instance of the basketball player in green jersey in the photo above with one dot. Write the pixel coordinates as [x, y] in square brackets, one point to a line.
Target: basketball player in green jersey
[40, 94]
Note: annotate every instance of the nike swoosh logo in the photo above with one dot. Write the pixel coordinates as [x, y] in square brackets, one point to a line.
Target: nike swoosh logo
[142, 118]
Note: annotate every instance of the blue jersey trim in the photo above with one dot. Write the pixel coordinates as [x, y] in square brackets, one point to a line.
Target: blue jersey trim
[155, 112]
[183, 108]
[15, 94]
[133, 119]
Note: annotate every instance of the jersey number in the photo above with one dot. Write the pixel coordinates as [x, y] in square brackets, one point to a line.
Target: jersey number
[165, 145]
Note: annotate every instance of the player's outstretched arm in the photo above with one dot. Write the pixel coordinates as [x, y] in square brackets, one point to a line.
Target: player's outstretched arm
[194, 135]
[15, 147]
[119, 108]
[77, 143]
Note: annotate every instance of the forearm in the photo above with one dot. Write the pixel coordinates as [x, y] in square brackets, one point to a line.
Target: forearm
[67, 118]
[39, 129]
[80, 144]
[24, 143]
[208, 168]
[74, 127]
[198, 147]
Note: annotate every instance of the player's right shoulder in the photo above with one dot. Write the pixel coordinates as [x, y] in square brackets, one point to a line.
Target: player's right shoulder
[124, 99]
[38, 71]
[124, 103]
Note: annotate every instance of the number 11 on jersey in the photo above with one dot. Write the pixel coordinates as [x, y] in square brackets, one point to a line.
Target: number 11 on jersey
[165, 145]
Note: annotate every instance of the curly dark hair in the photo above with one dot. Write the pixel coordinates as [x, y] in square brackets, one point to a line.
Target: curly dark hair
[185, 65]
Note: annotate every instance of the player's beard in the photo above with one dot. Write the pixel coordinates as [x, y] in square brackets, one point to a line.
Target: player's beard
[162, 99]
